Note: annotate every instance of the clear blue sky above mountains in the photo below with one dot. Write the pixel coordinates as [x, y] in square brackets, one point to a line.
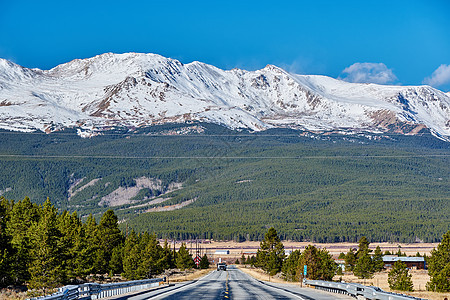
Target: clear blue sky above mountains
[398, 42]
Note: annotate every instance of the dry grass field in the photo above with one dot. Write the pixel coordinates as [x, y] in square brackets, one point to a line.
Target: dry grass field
[248, 248]
[419, 278]
[189, 275]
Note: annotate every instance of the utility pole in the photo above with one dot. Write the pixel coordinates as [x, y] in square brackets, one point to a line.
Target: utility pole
[174, 253]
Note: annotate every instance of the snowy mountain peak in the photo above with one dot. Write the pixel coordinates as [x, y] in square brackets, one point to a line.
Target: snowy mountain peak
[10, 71]
[137, 89]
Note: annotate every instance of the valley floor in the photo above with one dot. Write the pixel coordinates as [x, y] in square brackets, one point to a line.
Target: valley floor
[249, 248]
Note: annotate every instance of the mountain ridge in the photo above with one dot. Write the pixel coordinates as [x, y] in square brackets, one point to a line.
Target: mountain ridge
[137, 89]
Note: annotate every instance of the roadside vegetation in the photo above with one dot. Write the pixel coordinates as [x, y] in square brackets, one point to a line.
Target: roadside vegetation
[44, 249]
[320, 265]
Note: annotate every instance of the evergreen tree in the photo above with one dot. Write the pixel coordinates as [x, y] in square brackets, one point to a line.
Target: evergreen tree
[439, 266]
[350, 260]
[271, 254]
[70, 227]
[167, 258]
[24, 215]
[399, 279]
[377, 260]
[243, 260]
[204, 262]
[82, 264]
[131, 259]
[364, 266]
[399, 252]
[6, 250]
[328, 266]
[116, 263]
[151, 253]
[184, 259]
[46, 267]
[251, 260]
[88, 246]
[291, 268]
[108, 237]
[363, 247]
[320, 264]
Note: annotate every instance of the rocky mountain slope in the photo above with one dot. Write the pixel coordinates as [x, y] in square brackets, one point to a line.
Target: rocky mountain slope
[135, 90]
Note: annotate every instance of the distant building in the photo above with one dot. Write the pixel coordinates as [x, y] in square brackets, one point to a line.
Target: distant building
[340, 263]
[411, 262]
[222, 252]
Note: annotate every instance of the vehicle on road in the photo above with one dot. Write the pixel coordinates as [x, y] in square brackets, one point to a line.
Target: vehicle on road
[221, 266]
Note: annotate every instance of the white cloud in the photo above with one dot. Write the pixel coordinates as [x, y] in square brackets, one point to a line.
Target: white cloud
[439, 77]
[368, 73]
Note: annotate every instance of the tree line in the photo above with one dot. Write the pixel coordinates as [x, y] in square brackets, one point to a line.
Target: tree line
[45, 249]
[319, 264]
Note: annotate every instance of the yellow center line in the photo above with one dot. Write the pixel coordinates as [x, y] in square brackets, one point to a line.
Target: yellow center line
[226, 285]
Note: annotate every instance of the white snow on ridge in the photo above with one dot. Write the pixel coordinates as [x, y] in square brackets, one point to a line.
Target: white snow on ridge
[135, 89]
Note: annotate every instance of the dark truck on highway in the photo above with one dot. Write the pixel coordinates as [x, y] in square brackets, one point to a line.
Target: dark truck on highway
[221, 266]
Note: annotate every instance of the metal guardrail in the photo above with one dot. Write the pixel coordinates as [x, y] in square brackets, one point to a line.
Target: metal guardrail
[93, 291]
[358, 291]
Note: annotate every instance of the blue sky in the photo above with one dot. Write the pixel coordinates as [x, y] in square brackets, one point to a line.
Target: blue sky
[399, 42]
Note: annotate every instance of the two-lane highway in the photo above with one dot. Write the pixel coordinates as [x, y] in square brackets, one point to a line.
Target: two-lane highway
[235, 284]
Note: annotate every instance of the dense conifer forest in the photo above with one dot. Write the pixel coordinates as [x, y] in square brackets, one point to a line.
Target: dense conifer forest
[45, 249]
[236, 184]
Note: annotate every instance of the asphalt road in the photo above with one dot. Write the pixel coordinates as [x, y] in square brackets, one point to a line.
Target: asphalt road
[234, 284]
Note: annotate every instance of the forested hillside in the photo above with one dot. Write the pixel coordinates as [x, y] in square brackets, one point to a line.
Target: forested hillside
[202, 180]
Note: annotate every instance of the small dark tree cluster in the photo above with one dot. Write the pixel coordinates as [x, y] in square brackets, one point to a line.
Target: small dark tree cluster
[204, 262]
[250, 260]
[362, 263]
[320, 264]
[272, 259]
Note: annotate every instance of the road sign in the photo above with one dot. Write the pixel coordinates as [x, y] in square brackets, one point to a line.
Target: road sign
[197, 260]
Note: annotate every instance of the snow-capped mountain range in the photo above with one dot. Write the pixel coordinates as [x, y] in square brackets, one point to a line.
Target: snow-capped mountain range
[134, 89]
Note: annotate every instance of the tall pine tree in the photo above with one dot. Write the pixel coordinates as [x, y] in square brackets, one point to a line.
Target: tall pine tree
[377, 259]
[24, 216]
[271, 254]
[6, 250]
[108, 236]
[290, 269]
[46, 267]
[184, 259]
[439, 266]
